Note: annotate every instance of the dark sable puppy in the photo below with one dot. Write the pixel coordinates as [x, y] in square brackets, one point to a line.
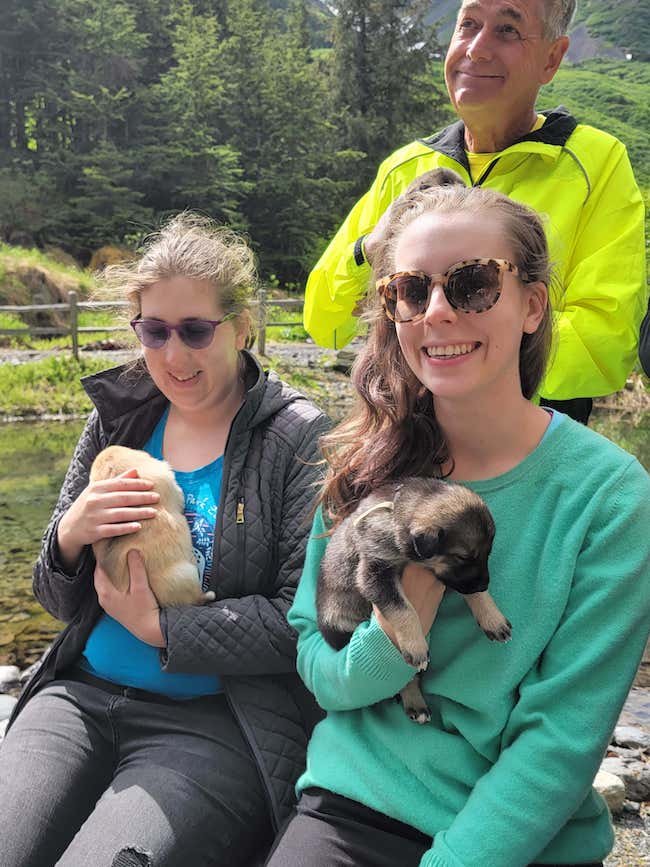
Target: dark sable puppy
[442, 526]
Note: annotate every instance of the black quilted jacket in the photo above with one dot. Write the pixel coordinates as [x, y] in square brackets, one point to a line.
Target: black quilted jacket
[260, 538]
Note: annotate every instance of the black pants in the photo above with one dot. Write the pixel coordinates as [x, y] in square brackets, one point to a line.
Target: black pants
[578, 408]
[328, 830]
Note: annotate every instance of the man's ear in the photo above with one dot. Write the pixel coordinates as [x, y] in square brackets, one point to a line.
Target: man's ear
[537, 304]
[556, 52]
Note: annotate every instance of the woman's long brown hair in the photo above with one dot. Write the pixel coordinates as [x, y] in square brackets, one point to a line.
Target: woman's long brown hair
[392, 431]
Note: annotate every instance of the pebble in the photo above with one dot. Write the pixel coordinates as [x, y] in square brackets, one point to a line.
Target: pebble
[612, 789]
[634, 774]
[632, 737]
[9, 676]
[7, 704]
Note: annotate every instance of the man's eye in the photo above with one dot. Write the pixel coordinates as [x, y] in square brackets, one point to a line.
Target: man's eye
[467, 24]
[509, 32]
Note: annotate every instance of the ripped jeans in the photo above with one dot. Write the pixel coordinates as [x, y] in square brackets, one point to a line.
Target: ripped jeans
[90, 779]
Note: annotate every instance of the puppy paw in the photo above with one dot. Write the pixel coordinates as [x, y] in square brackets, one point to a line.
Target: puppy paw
[499, 632]
[417, 658]
[209, 596]
[413, 702]
[418, 715]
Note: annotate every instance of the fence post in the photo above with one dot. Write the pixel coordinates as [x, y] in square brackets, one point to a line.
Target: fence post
[261, 321]
[74, 323]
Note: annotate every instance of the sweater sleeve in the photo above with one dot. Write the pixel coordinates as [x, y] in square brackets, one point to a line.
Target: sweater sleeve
[570, 701]
[367, 670]
[604, 299]
[58, 591]
[250, 635]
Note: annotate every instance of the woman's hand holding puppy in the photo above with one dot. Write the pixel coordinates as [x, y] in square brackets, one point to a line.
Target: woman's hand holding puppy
[136, 608]
[112, 507]
[423, 591]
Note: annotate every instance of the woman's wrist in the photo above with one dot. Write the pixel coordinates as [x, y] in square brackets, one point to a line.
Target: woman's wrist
[69, 551]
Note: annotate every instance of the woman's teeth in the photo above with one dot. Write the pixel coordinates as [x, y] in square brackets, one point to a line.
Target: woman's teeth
[448, 351]
[184, 378]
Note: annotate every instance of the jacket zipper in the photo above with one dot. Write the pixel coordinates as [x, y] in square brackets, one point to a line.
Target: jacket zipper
[240, 524]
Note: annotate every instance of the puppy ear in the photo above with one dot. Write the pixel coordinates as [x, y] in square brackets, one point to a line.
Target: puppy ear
[427, 545]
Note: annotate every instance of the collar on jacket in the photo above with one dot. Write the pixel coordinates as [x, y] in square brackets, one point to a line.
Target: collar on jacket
[123, 392]
[557, 128]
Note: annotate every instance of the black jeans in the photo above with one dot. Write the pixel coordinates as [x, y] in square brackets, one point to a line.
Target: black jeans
[329, 830]
[94, 778]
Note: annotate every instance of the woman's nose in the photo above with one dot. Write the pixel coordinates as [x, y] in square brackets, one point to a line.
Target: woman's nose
[438, 308]
[174, 346]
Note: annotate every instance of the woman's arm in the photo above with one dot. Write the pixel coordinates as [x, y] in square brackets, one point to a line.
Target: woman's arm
[58, 588]
[569, 703]
[250, 635]
[367, 670]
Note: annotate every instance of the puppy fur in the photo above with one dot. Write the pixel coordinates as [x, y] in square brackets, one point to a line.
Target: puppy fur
[442, 526]
[164, 541]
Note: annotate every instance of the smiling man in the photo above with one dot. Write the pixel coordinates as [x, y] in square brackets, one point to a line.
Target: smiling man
[501, 53]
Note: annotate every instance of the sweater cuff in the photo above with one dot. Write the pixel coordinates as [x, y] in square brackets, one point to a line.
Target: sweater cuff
[436, 858]
[373, 653]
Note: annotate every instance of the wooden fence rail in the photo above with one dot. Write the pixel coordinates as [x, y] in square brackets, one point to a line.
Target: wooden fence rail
[260, 306]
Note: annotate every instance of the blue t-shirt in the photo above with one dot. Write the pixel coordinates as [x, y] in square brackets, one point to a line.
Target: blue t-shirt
[114, 653]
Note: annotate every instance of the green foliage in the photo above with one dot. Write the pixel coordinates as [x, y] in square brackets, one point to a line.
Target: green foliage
[49, 386]
[611, 95]
[625, 25]
[270, 115]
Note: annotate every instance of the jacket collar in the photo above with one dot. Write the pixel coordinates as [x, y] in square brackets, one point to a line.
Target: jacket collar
[557, 128]
[122, 392]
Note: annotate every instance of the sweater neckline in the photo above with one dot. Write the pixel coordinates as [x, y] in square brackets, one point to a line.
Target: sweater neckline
[545, 452]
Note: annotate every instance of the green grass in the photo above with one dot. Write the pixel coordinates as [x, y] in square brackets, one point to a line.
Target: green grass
[16, 255]
[288, 333]
[611, 95]
[49, 386]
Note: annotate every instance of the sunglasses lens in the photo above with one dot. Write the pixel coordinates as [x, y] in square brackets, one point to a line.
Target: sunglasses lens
[151, 334]
[474, 288]
[406, 296]
[197, 333]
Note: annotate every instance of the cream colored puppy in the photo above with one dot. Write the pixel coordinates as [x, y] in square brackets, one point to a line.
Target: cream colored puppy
[164, 541]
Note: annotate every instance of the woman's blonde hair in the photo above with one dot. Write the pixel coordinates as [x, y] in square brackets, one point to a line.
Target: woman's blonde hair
[393, 432]
[194, 246]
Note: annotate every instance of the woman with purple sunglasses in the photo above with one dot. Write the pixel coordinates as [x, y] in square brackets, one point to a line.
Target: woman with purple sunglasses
[157, 736]
[501, 773]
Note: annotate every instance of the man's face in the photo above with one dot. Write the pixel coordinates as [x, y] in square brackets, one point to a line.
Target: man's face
[498, 58]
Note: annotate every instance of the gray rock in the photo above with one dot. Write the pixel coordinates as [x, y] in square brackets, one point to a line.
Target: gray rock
[9, 675]
[631, 737]
[612, 788]
[635, 775]
[7, 703]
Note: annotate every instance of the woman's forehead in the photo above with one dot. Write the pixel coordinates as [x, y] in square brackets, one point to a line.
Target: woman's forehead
[434, 241]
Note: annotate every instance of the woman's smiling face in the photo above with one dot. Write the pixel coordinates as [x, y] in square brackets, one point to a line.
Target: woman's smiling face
[192, 379]
[458, 355]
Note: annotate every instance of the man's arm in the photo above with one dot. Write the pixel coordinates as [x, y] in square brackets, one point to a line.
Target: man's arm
[601, 305]
[341, 276]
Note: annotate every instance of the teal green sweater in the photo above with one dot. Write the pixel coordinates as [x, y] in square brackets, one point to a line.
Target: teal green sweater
[502, 774]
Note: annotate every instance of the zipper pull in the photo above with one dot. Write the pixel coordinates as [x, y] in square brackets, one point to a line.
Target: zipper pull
[240, 511]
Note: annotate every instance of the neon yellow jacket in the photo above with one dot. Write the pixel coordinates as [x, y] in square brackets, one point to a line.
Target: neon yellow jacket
[580, 178]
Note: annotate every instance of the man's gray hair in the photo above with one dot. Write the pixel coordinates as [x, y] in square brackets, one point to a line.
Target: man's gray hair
[557, 17]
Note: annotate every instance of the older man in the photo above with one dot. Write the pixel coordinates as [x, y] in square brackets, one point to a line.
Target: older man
[501, 53]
